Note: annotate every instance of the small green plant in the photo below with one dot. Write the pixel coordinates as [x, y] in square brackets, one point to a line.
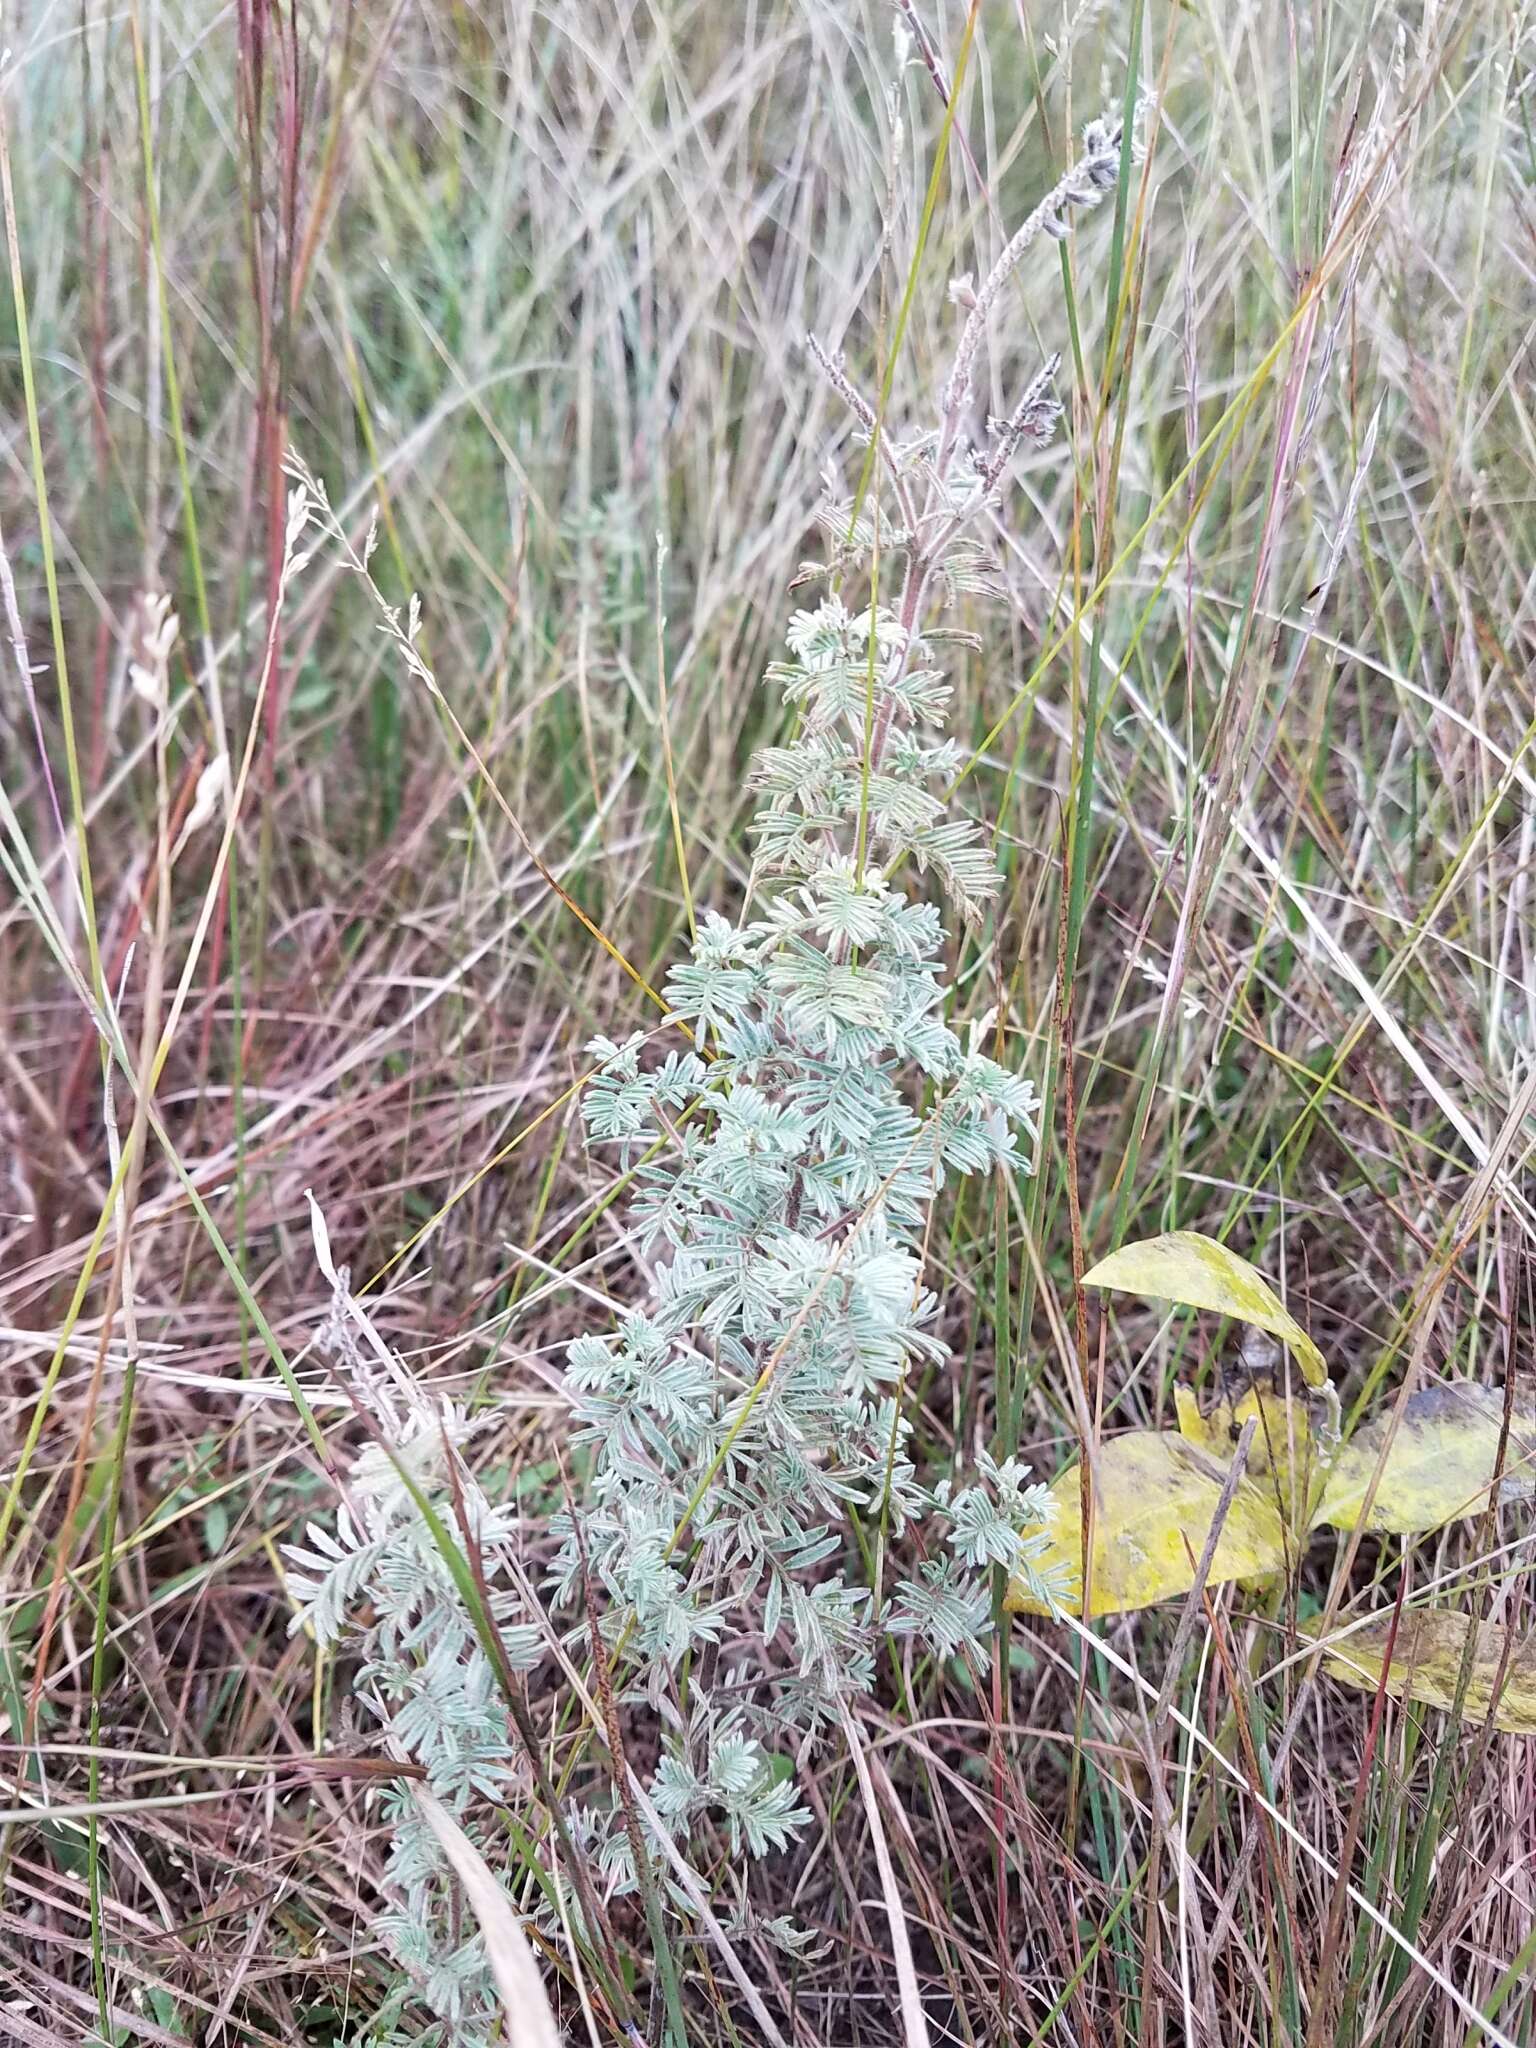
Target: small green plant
[786, 1161]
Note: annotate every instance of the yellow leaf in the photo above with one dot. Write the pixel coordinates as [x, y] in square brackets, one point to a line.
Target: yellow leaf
[1155, 1500]
[1284, 1456]
[1441, 1455]
[1426, 1664]
[1197, 1272]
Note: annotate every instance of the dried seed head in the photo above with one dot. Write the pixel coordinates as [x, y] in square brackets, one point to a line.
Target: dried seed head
[1101, 153]
[1084, 184]
[149, 657]
[300, 505]
[212, 786]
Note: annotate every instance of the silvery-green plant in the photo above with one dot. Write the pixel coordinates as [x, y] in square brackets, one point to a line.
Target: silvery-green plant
[422, 1673]
[785, 1165]
[785, 1160]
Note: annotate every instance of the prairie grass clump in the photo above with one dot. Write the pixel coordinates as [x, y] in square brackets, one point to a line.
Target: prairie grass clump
[289, 902]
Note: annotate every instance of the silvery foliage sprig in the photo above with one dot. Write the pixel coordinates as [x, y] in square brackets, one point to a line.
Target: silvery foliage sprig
[785, 1165]
[380, 1582]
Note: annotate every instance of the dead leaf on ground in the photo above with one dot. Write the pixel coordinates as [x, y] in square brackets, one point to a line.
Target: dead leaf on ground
[1426, 1665]
[1441, 1457]
[1196, 1272]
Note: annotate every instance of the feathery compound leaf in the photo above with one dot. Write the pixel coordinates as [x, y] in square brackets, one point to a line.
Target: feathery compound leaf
[529, 2020]
[1196, 1272]
[1437, 1458]
[1426, 1665]
[1155, 1500]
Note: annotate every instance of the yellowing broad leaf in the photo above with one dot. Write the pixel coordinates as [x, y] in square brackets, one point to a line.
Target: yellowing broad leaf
[1426, 1664]
[1197, 1272]
[1441, 1455]
[1154, 1503]
[1284, 1456]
